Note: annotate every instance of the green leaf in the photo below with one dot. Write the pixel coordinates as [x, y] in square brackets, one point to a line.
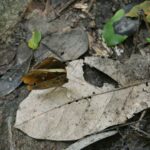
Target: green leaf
[109, 35]
[33, 43]
[118, 15]
[148, 40]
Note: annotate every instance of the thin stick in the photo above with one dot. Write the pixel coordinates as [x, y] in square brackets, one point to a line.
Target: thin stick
[51, 70]
[90, 5]
[66, 5]
[141, 131]
[141, 117]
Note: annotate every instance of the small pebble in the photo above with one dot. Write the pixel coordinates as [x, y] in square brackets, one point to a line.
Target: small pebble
[126, 26]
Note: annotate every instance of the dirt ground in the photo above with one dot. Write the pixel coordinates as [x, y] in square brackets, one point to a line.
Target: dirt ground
[13, 139]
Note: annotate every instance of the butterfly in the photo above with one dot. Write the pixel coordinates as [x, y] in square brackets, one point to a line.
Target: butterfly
[48, 73]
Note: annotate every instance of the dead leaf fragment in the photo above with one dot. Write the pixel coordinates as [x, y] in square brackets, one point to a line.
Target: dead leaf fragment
[68, 45]
[12, 78]
[145, 6]
[96, 46]
[7, 56]
[79, 145]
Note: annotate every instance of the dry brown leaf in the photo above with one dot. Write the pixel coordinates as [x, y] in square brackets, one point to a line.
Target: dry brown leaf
[97, 46]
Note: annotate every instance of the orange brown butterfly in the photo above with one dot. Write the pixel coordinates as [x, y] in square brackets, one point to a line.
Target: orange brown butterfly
[49, 73]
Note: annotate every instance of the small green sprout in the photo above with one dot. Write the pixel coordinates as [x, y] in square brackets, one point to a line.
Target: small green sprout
[33, 43]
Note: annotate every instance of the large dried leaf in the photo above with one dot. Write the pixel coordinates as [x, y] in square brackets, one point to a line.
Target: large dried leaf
[80, 109]
[51, 115]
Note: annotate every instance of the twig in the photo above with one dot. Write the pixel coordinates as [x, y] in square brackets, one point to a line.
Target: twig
[143, 17]
[66, 5]
[90, 5]
[62, 9]
[141, 131]
[10, 136]
[120, 125]
[86, 141]
[141, 117]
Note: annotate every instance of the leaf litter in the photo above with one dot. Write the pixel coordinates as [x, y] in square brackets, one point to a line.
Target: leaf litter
[82, 106]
